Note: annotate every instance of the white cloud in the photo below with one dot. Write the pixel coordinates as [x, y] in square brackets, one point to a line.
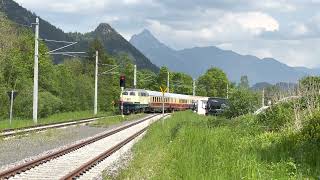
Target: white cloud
[279, 5]
[245, 26]
[256, 21]
[299, 29]
[229, 27]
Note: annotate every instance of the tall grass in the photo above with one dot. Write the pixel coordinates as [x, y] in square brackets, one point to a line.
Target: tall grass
[61, 117]
[188, 146]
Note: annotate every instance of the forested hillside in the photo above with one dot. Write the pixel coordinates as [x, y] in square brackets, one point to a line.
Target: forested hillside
[64, 87]
[113, 42]
[68, 86]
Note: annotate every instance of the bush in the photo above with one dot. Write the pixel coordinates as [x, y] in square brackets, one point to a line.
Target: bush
[49, 104]
[277, 116]
[241, 102]
[311, 131]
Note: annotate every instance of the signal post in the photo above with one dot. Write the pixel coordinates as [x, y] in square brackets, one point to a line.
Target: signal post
[163, 90]
[122, 86]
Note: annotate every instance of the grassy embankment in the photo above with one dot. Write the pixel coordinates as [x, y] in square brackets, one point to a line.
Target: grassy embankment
[105, 122]
[62, 117]
[189, 146]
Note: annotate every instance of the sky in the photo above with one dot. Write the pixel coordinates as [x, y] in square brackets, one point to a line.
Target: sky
[287, 30]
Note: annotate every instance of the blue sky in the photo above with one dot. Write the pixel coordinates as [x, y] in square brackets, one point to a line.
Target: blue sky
[288, 30]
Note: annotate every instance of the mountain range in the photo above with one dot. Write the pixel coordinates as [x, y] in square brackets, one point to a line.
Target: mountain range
[149, 53]
[195, 61]
[112, 41]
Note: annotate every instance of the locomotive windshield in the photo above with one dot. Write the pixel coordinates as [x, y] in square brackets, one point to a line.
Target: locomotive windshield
[216, 105]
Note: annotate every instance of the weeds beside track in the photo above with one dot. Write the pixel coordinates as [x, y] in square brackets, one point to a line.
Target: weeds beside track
[188, 146]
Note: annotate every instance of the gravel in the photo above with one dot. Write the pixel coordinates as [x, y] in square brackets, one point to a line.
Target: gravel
[57, 168]
[111, 166]
[20, 149]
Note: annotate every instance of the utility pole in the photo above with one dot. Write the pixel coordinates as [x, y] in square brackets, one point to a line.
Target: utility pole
[263, 97]
[135, 77]
[227, 90]
[36, 73]
[168, 82]
[11, 106]
[96, 86]
[163, 104]
[122, 89]
[194, 88]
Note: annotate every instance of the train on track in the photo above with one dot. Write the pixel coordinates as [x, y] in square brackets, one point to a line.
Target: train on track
[140, 100]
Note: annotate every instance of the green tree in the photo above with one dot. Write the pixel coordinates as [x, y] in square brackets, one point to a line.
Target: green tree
[147, 79]
[181, 83]
[244, 82]
[243, 101]
[163, 77]
[213, 83]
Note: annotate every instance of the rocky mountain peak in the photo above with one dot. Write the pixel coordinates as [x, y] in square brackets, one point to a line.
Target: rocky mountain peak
[104, 28]
[145, 35]
[147, 40]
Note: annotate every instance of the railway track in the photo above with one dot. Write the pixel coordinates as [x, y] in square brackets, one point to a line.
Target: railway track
[18, 131]
[76, 160]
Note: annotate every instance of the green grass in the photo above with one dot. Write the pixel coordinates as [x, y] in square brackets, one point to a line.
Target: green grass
[61, 117]
[106, 122]
[188, 146]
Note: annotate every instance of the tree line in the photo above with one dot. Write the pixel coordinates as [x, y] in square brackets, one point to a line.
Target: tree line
[69, 86]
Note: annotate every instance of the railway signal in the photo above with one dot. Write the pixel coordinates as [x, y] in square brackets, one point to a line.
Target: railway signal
[122, 85]
[122, 81]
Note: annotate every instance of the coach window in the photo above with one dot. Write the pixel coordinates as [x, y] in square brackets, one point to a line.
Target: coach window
[132, 93]
[125, 93]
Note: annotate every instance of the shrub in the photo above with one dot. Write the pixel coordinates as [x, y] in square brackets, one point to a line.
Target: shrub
[241, 102]
[48, 104]
[277, 116]
[311, 131]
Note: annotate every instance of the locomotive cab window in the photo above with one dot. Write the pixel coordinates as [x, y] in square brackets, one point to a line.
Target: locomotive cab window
[132, 93]
[143, 94]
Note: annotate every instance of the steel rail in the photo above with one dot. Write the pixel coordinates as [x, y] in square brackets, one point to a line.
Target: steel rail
[33, 163]
[41, 127]
[87, 166]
